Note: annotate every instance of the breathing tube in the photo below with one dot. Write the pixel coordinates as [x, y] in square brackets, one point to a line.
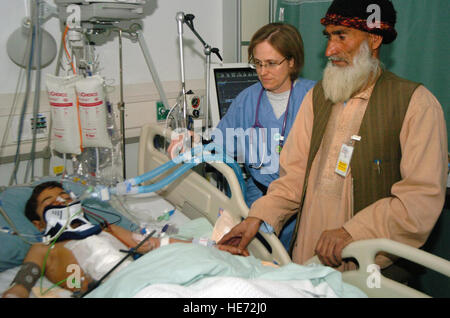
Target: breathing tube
[190, 159]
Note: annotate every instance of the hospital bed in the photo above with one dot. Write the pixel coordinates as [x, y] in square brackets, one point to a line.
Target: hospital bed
[198, 201]
[202, 199]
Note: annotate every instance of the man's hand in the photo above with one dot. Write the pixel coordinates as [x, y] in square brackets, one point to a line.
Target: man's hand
[233, 250]
[240, 236]
[330, 245]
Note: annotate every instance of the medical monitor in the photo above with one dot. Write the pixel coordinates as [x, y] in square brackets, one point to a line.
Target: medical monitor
[227, 80]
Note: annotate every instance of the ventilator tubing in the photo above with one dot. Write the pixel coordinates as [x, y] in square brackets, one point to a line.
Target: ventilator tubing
[189, 158]
[126, 186]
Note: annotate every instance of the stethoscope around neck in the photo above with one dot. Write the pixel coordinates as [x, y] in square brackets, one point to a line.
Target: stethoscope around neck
[262, 129]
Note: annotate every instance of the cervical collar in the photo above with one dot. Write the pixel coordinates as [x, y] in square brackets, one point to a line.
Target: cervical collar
[58, 217]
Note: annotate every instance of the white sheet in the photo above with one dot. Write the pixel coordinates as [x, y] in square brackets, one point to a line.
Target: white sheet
[235, 287]
[146, 208]
[6, 278]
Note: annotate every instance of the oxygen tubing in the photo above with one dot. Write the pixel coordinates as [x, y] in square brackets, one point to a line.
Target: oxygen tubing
[164, 167]
[175, 175]
[127, 187]
[169, 179]
[130, 186]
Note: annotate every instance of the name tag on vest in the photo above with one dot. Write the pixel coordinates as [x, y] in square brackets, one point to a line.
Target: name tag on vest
[343, 163]
[345, 156]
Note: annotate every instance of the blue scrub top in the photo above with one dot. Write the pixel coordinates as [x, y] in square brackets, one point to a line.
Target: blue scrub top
[236, 141]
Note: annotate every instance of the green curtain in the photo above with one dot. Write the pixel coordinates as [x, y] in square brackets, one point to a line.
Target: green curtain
[420, 53]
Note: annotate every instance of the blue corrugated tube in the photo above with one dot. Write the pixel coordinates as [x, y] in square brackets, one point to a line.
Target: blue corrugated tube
[190, 159]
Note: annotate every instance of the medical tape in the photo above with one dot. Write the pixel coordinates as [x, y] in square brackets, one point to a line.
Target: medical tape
[163, 241]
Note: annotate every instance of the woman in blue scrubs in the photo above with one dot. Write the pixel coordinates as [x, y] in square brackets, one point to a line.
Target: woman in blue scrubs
[258, 121]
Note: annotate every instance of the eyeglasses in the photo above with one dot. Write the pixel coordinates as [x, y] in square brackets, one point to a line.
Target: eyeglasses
[270, 64]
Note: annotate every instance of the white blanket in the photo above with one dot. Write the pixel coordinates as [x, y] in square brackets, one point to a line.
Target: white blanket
[235, 287]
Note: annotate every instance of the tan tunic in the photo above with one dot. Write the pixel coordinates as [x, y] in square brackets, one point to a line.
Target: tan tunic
[408, 216]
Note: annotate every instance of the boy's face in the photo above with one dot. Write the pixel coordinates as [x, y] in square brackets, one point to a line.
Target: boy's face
[50, 196]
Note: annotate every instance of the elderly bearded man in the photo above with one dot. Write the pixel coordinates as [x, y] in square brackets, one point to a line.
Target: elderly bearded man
[367, 155]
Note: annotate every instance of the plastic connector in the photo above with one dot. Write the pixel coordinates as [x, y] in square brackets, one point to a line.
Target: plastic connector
[88, 193]
[104, 194]
[123, 188]
[99, 192]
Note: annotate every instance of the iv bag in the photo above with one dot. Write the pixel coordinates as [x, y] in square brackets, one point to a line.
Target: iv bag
[91, 99]
[65, 137]
[102, 165]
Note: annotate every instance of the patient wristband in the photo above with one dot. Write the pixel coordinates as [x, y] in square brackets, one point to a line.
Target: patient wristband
[27, 276]
[204, 241]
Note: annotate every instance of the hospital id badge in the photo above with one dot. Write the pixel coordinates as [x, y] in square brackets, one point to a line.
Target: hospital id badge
[343, 163]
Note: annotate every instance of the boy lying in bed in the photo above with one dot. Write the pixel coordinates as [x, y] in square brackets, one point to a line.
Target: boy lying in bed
[93, 249]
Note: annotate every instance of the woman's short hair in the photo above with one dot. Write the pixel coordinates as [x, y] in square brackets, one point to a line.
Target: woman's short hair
[286, 39]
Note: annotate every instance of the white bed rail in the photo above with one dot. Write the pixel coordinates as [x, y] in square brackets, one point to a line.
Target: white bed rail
[197, 197]
[366, 278]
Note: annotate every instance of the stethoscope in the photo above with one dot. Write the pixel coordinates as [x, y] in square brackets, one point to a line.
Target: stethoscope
[264, 139]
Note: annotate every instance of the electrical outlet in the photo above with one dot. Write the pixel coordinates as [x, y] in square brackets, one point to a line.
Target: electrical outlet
[27, 130]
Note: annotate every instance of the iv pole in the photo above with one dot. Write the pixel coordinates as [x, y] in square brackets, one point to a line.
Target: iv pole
[188, 19]
[121, 105]
[180, 21]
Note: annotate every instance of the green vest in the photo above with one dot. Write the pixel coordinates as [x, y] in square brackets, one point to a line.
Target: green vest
[380, 142]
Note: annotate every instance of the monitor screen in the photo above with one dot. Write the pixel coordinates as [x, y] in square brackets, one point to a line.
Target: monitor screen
[227, 81]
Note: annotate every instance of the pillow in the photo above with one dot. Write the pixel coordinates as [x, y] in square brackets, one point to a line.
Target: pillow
[13, 200]
[12, 252]
[14, 249]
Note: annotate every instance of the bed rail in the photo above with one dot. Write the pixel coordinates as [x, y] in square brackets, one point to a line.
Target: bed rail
[197, 197]
[366, 278]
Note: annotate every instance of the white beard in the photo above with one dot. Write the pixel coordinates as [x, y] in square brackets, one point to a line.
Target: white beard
[340, 83]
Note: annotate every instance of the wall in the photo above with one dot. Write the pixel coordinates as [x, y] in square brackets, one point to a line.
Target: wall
[255, 14]
[140, 95]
